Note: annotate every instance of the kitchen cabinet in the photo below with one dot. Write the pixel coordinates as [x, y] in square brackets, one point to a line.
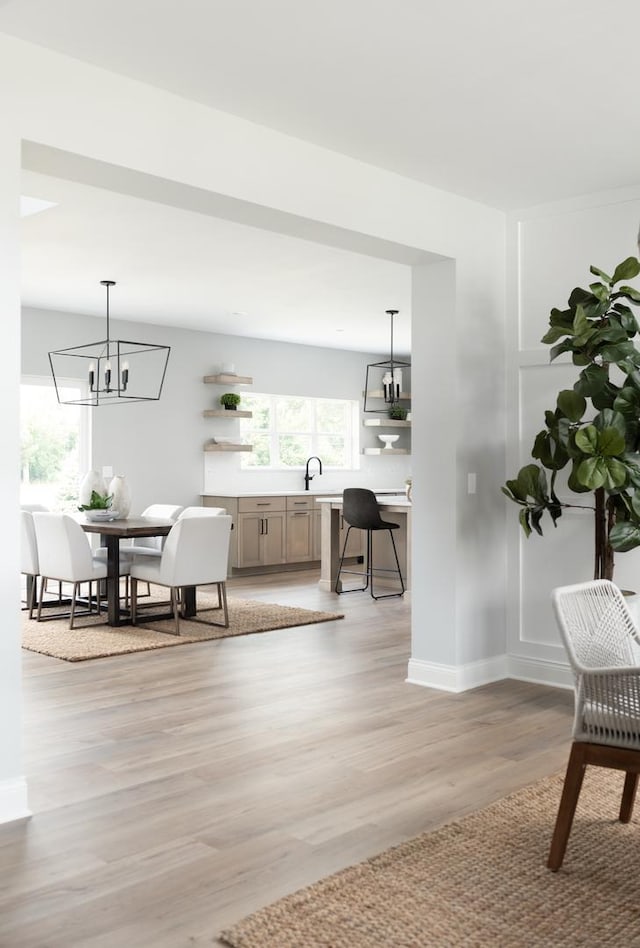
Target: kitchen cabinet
[277, 530]
[300, 527]
[261, 531]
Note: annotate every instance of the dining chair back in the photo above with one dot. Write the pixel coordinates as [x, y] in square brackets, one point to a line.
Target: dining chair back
[153, 545]
[64, 554]
[196, 553]
[603, 646]
[202, 512]
[29, 565]
[361, 511]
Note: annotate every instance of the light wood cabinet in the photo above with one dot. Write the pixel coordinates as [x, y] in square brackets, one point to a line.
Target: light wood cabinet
[261, 539]
[272, 531]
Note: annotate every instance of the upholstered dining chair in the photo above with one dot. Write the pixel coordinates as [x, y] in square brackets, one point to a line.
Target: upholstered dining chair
[603, 646]
[361, 511]
[29, 565]
[202, 512]
[196, 553]
[64, 554]
[152, 546]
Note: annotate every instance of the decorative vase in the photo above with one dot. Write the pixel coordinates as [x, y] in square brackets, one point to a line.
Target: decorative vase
[121, 496]
[92, 481]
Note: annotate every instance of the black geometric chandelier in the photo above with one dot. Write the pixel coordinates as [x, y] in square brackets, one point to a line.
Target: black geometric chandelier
[384, 379]
[116, 371]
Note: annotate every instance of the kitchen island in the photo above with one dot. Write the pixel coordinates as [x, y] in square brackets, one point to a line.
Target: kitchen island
[395, 508]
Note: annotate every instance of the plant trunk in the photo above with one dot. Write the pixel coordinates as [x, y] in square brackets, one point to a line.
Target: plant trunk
[605, 517]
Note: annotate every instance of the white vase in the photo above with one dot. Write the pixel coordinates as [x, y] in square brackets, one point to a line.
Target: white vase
[92, 481]
[121, 495]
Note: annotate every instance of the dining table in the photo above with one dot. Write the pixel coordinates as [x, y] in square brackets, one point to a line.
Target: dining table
[111, 532]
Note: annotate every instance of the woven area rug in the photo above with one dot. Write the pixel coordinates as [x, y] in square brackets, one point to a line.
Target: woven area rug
[481, 881]
[92, 638]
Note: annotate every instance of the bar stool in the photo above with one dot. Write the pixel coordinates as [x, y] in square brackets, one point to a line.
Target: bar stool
[360, 510]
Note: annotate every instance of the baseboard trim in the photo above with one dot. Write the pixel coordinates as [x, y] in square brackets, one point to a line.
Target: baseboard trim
[13, 800]
[456, 678]
[540, 672]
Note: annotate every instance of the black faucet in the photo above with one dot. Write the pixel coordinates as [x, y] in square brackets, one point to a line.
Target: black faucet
[309, 477]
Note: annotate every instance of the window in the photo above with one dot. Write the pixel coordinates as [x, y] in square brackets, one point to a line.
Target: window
[54, 445]
[287, 429]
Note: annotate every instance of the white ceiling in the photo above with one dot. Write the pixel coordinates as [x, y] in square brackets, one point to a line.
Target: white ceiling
[508, 103]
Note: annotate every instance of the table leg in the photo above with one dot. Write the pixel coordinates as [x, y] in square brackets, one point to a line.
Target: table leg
[189, 601]
[113, 578]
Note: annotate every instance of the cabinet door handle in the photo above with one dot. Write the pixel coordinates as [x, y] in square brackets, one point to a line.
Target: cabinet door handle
[301, 513]
[266, 526]
[261, 527]
[266, 503]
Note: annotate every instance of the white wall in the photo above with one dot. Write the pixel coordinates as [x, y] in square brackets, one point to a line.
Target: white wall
[551, 249]
[75, 108]
[158, 445]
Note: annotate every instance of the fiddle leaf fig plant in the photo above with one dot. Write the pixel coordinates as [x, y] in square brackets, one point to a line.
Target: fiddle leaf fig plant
[593, 433]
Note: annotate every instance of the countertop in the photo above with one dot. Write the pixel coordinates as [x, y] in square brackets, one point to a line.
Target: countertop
[294, 493]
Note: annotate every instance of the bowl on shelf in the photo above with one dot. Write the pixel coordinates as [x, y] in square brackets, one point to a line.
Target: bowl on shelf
[388, 440]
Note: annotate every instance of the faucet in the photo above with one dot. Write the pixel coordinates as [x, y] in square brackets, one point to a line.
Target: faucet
[309, 477]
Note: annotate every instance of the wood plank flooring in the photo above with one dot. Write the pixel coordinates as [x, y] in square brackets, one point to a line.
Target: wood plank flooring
[175, 791]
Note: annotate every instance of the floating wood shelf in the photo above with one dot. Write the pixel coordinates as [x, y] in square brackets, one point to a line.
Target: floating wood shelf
[226, 413]
[228, 447]
[385, 451]
[385, 423]
[404, 396]
[226, 379]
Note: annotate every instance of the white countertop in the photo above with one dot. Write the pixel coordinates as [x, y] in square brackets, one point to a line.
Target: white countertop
[384, 500]
[296, 493]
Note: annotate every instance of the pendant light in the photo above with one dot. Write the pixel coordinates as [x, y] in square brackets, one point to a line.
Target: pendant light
[384, 380]
[115, 371]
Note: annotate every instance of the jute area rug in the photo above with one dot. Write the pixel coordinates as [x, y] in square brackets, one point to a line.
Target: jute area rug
[92, 638]
[481, 881]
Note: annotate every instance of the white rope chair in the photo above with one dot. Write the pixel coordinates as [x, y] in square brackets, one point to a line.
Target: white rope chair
[603, 646]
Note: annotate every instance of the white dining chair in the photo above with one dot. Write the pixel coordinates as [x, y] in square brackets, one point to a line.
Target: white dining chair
[152, 546]
[196, 553]
[64, 554]
[203, 512]
[602, 643]
[29, 565]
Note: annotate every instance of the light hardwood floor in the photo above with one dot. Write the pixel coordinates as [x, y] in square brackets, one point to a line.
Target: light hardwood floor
[175, 791]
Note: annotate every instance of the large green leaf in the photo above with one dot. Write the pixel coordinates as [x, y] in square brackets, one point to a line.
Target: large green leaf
[624, 536]
[628, 292]
[627, 401]
[611, 443]
[600, 291]
[626, 270]
[571, 404]
[611, 419]
[600, 273]
[604, 472]
[592, 379]
[587, 440]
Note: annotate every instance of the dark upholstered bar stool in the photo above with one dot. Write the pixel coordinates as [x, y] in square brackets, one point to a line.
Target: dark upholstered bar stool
[360, 510]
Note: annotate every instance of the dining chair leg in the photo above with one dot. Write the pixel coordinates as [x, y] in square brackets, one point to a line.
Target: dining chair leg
[32, 595]
[73, 604]
[628, 797]
[222, 592]
[174, 607]
[43, 589]
[568, 802]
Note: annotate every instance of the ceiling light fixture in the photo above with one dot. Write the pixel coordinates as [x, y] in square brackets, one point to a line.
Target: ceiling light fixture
[115, 370]
[387, 375]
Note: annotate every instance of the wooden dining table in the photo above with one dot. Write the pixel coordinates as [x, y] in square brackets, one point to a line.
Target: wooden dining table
[111, 532]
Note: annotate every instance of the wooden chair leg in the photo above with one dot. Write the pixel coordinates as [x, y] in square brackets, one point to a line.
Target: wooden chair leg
[628, 797]
[568, 802]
